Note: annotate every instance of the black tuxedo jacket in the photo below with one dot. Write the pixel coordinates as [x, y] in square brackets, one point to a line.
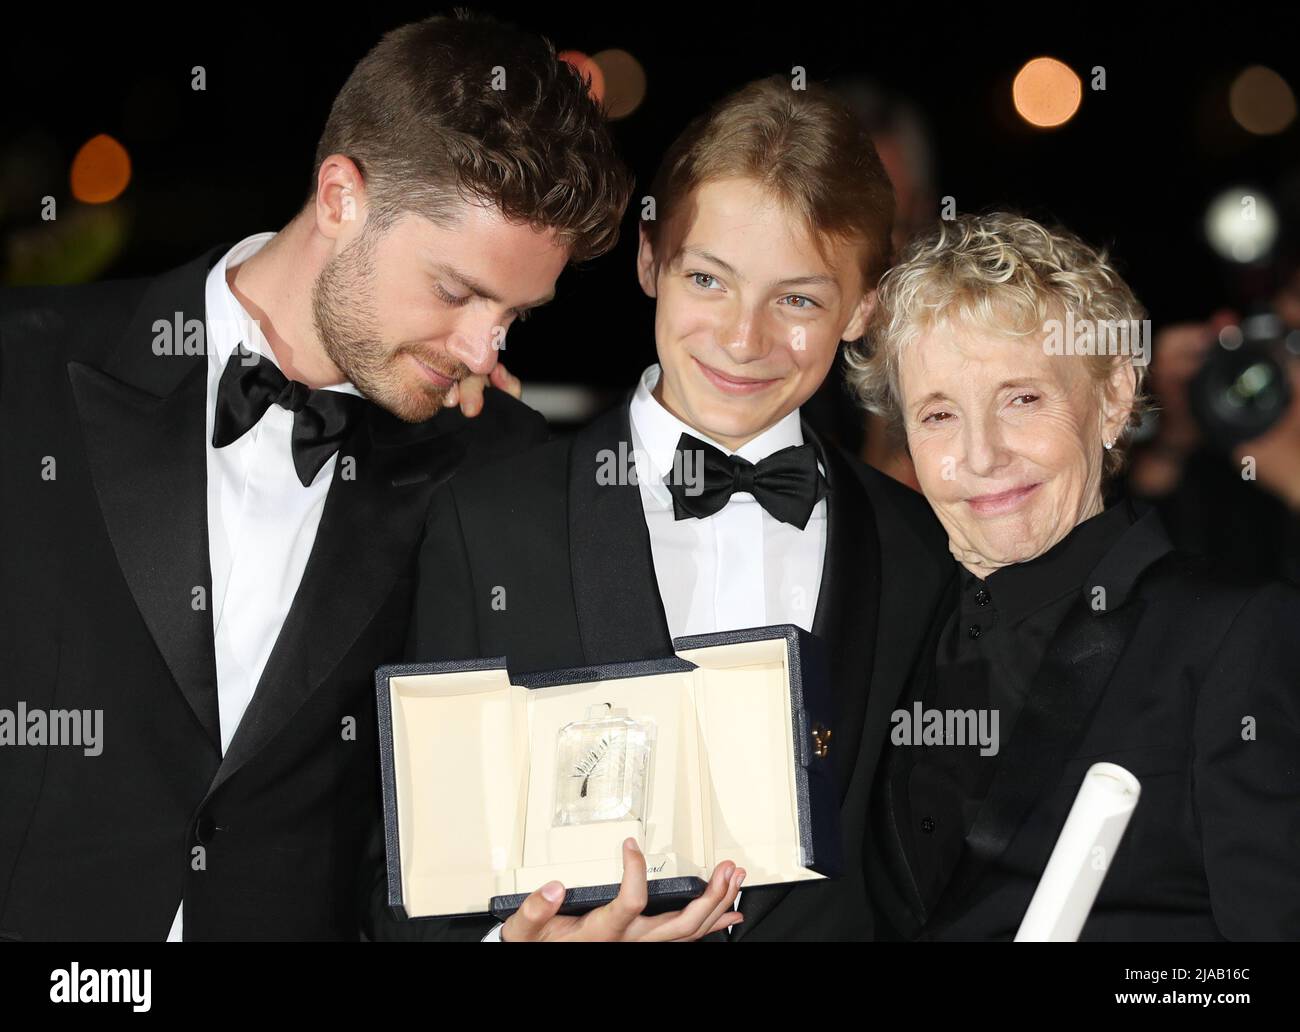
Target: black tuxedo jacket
[104, 606]
[1192, 683]
[573, 558]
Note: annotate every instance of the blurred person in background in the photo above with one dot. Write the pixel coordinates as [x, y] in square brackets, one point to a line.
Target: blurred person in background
[902, 140]
[1236, 500]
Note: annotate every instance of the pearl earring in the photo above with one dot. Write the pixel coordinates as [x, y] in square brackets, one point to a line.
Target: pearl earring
[1109, 444]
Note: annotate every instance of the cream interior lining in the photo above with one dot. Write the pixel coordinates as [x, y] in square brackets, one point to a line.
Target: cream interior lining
[722, 779]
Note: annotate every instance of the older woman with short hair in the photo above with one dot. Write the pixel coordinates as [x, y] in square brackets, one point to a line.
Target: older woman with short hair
[1012, 358]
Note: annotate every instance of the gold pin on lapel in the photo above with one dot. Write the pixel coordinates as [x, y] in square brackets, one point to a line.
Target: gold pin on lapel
[821, 741]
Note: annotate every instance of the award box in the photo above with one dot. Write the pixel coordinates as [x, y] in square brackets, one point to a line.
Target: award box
[495, 785]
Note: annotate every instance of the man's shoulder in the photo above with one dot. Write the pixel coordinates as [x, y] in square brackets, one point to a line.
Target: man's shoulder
[24, 302]
[503, 427]
[533, 466]
[504, 417]
[79, 321]
[541, 471]
[506, 506]
[88, 322]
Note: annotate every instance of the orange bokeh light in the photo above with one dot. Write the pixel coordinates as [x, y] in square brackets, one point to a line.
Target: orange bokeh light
[1046, 92]
[100, 171]
[588, 69]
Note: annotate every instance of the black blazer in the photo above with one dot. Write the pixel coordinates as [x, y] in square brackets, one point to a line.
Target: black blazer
[101, 608]
[574, 560]
[1164, 681]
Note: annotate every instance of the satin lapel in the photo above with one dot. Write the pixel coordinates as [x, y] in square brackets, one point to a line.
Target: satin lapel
[620, 613]
[1069, 683]
[914, 577]
[368, 532]
[143, 420]
[848, 602]
[148, 465]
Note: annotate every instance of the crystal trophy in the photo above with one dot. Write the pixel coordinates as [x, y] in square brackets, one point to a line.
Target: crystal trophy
[602, 767]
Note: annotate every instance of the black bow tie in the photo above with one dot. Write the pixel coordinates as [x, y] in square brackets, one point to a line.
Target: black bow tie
[787, 483]
[321, 419]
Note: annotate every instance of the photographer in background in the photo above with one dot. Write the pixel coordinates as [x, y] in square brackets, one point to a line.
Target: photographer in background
[1232, 498]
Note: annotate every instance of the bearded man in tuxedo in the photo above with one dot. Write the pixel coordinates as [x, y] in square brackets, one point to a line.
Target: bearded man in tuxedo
[216, 482]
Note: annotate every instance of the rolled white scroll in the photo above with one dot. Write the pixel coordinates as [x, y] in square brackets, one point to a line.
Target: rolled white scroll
[1083, 854]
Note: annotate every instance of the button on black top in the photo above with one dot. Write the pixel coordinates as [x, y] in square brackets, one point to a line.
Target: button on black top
[982, 597]
[927, 825]
[204, 829]
[973, 631]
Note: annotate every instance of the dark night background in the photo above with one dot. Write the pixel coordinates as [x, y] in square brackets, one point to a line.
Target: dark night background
[1134, 169]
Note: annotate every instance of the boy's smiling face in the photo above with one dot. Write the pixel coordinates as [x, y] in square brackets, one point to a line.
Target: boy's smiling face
[749, 314]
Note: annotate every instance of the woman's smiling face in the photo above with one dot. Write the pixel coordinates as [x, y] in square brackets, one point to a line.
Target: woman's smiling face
[1007, 440]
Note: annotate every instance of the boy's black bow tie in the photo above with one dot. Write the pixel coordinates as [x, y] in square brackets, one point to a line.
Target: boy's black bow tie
[787, 483]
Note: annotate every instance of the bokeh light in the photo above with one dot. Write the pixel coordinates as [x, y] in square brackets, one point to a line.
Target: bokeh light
[100, 171]
[625, 81]
[1261, 101]
[1046, 92]
[1241, 224]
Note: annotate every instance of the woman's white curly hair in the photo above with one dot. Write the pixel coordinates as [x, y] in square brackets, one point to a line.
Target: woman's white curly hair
[998, 272]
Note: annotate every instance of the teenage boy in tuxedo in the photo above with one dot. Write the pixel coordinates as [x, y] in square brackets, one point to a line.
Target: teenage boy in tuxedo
[772, 226]
[212, 547]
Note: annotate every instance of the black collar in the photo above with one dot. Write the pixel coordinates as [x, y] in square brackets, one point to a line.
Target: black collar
[1022, 589]
[1138, 548]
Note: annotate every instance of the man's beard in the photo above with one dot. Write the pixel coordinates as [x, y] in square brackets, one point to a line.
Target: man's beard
[347, 324]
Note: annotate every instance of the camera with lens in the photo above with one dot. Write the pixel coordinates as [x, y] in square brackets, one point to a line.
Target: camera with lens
[1243, 388]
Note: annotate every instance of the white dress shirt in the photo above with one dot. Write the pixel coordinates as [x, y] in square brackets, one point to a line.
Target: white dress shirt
[740, 567]
[262, 522]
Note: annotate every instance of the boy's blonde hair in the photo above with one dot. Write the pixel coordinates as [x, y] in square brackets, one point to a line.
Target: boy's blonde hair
[806, 147]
